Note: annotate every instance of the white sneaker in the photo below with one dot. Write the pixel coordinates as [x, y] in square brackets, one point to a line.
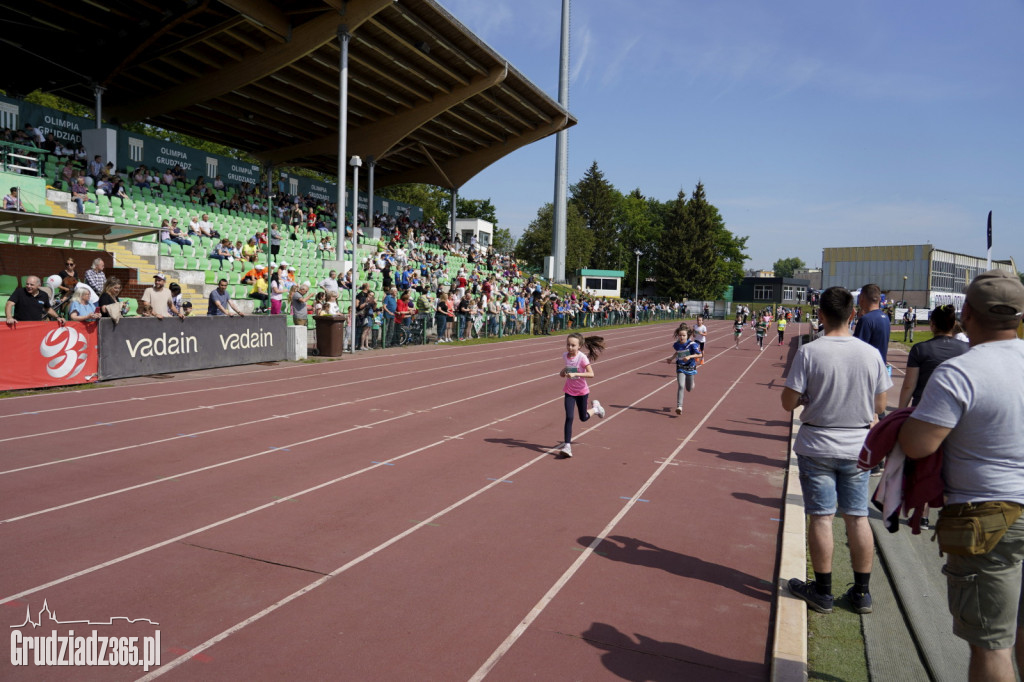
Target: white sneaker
[598, 410]
[566, 449]
[679, 409]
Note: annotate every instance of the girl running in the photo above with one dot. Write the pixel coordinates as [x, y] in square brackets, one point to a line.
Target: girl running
[782, 327]
[759, 330]
[577, 368]
[700, 335]
[737, 329]
[685, 354]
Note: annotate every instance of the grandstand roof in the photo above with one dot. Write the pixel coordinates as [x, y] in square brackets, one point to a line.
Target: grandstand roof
[59, 227]
[427, 99]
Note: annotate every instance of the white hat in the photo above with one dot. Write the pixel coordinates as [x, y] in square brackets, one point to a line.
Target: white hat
[160, 275]
[292, 269]
[260, 266]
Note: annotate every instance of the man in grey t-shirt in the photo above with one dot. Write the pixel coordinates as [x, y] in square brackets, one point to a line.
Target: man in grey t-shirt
[842, 383]
[220, 301]
[973, 406]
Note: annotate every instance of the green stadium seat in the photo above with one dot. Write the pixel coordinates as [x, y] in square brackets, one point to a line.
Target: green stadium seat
[212, 276]
[8, 283]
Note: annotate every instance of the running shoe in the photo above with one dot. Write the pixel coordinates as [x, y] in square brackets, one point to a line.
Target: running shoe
[860, 602]
[808, 591]
[679, 409]
[598, 409]
[566, 449]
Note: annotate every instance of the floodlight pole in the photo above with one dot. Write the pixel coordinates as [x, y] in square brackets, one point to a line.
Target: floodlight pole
[559, 229]
[636, 290]
[903, 296]
[356, 162]
[343, 39]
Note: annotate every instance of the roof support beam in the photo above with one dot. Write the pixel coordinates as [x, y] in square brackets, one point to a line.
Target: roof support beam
[304, 39]
[376, 139]
[459, 171]
[265, 15]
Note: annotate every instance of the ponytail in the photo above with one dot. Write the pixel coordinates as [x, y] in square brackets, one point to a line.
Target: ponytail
[593, 344]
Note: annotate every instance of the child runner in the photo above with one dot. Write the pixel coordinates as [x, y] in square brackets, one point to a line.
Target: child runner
[700, 335]
[759, 330]
[686, 351]
[782, 328]
[577, 368]
[737, 329]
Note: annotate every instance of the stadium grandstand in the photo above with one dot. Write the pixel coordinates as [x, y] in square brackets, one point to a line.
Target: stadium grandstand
[418, 96]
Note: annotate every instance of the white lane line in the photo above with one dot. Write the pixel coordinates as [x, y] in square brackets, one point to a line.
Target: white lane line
[288, 445]
[265, 419]
[320, 486]
[240, 402]
[549, 596]
[290, 366]
[170, 665]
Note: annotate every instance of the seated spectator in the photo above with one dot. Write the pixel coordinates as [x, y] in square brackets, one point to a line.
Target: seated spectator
[111, 297]
[218, 183]
[29, 304]
[331, 305]
[167, 178]
[250, 250]
[236, 250]
[193, 227]
[80, 194]
[179, 173]
[252, 275]
[222, 252]
[117, 190]
[67, 173]
[177, 235]
[220, 302]
[82, 307]
[12, 202]
[318, 302]
[140, 178]
[259, 288]
[206, 227]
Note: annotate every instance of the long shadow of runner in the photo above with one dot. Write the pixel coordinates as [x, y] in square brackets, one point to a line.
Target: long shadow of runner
[645, 659]
[516, 443]
[640, 553]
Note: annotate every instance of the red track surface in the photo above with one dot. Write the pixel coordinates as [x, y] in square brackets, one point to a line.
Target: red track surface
[401, 516]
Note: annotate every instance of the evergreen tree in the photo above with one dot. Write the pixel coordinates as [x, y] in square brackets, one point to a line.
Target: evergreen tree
[535, 243]
[674, 262]
[598, 203]
[641, 230]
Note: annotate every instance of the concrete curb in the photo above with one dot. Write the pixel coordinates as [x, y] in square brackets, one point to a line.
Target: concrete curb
[789, 648]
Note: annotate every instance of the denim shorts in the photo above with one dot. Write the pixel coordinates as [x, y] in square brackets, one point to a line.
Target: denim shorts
[832, 484]
[984, 592]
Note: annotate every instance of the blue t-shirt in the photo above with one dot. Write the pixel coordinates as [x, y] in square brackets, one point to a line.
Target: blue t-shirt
[391, 305]
[682, 350]
[873, 329]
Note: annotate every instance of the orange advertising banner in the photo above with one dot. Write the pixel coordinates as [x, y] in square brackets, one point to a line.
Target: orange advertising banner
[41, 354]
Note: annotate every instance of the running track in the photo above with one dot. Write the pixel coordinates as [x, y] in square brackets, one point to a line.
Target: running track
[401, 515]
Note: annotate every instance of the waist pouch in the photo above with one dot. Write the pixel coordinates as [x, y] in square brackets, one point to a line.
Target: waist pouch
[972, 529]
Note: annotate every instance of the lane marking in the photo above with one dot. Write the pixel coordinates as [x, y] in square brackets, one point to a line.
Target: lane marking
[550, 595]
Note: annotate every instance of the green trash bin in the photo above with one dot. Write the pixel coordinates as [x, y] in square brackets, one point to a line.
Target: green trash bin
[330, 335]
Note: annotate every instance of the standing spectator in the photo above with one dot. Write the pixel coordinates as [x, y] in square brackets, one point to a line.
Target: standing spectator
[275, 240]
[909, 320]
[873, 325]
[157, 299]
[842, 384]
[29, 304]
[12, 202]
[330, 283]
[220, 302]
[389, 309]
[973, 406]
[300, 294]
[112, 296]
[68, 280]
[276, 291]
[925, 357]
[95, 277]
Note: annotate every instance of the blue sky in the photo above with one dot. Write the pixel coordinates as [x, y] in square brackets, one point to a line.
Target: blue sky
[811, 124]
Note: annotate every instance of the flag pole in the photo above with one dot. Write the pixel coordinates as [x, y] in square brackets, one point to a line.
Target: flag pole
[988, 259]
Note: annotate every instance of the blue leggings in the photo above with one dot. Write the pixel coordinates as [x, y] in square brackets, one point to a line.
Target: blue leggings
[580, 402]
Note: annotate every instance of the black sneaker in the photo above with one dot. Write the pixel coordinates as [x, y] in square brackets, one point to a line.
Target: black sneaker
[822, 603]
[860, 602]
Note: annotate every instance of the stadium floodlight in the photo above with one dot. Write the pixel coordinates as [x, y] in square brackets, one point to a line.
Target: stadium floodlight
[355, 162]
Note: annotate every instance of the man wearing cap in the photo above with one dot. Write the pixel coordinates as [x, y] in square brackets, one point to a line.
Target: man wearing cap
[252, 275]
[973, 406]
[159, 300]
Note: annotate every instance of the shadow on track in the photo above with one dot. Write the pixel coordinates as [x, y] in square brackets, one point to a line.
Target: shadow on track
[748, 458]
[640, 553]
[642, 659]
